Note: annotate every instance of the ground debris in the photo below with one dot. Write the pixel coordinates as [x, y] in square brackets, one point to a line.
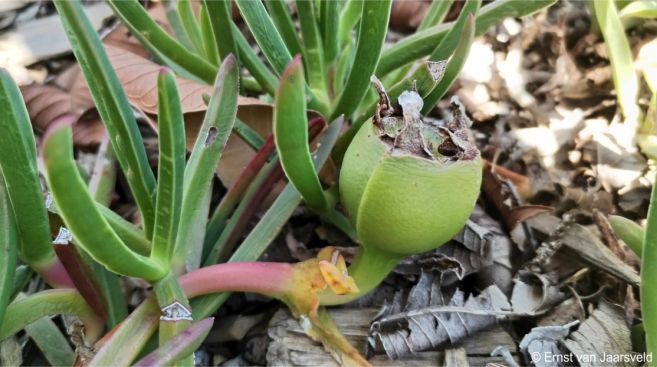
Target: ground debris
[602, 336]
[290, 346]
[427, 319]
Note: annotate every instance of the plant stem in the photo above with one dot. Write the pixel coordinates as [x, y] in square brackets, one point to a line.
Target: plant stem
[369, 268]
[170, 294]
[230, 200]
[648, 275]
[54, 274]
[268, 278]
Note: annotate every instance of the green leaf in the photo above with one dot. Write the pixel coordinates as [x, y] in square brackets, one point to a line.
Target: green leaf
[648, 276]
[456, 44]
[422, 43]
[132, 236]
[230, 230]
[111, 286]
[244, 131]
[349, 16]
[18, 165]
[248, 135]
[436, 14]
[372, 32]
[103, 174]
[221, 22]
[212, 138]
[171, 168]
[54, 346]
[330, 13]
[448, 44]
[50, 302]
[179, 346]
[454, 65]
[623, 74]
[270, 225]
[175, 23]
[313, 53]
[159, 43]
[190, 25]
[265, 33]
[629, 231]
[281, 18]
[101, 187]
[80, 212]
[291, 136]
[8, 249]
[125, 344]
[253, 63]
[209, 42]
[646, 9]
[22, 277]
[113, 107]
[345, 61]
[247, 178]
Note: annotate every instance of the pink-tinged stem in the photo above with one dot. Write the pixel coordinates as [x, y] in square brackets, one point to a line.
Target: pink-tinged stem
[55, 274]
[83, 277]
[268, 278]
[260, 194]
[236, 191]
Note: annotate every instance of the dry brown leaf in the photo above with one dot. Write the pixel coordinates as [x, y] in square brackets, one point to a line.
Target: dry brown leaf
[138, 76]
[503, 194]
[521, 182]
[406, 15]
[122, 38]
[46, 103]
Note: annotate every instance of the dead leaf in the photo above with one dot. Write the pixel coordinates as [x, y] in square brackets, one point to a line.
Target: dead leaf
[121, 37]
[566, 244]
[426, 320]
[138, 77]
[604, 334]
[46, 103]
[565, 312]
[503, 194]
[544, 341]
[591, 249]
[521, 182]
[534, 294]
[407, 15]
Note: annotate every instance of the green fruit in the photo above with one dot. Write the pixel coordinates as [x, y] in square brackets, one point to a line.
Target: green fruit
[407, 186]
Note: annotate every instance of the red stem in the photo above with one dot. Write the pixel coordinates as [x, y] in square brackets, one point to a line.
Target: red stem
[269, 278]
[55, 274]
[275, 175]
[250, 171]
[83, 277]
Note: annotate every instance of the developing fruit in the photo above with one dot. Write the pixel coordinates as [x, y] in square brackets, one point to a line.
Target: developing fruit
[409, 186]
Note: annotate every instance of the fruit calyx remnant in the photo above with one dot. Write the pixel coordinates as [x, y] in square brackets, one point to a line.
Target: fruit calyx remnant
[403, 129]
